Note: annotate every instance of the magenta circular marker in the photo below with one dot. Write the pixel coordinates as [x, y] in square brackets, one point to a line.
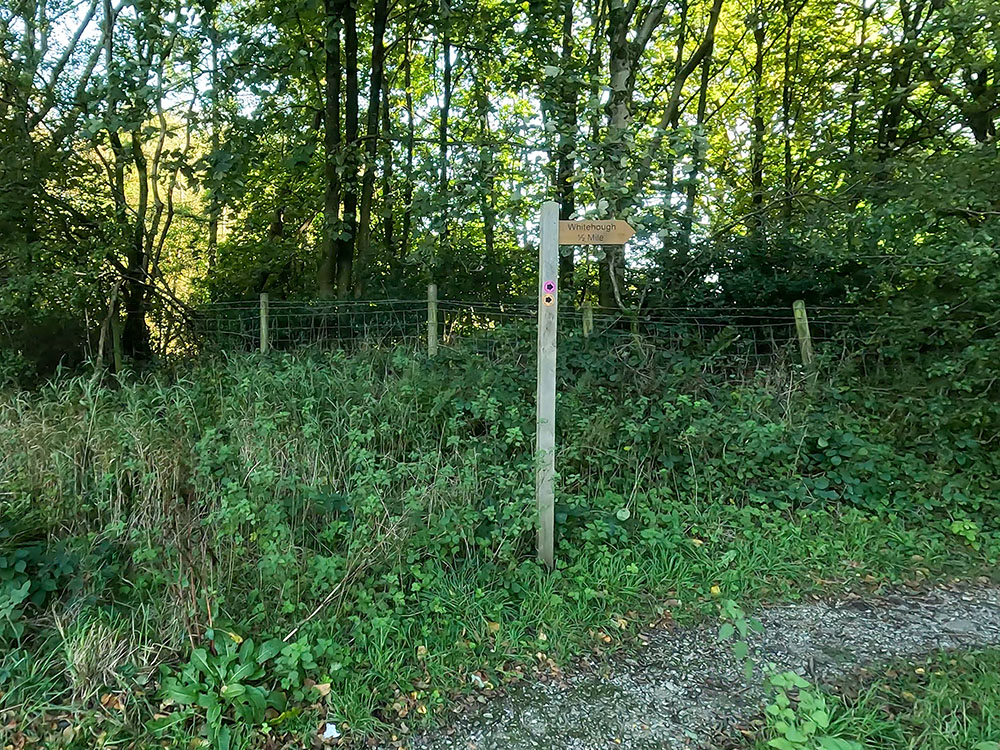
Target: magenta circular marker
[549, 287]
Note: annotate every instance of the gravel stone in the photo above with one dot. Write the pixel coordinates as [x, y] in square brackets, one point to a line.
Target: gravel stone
[685, 690]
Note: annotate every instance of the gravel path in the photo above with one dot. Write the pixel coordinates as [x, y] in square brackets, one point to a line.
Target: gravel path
[684, 688]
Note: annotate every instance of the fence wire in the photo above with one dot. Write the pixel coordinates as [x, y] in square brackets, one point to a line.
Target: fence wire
[742, 338]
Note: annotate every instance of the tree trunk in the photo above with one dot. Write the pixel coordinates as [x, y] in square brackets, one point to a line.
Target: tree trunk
[443, 132]
[899, 81]
[611, 275]
[757, 130]
[786, 118]
[215, 205]
[487, 206]
[699, 150]
[669, 215]
[346, 243]
[404, 250]
[362, 270]
[135, 334]
[331, 149]
[388, 222]
[566, 133]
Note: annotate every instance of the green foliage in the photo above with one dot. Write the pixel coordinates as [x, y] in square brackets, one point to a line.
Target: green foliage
[221, 686]
[736, 626]
[382, 504]
[29, 574]
[798, 717]
[946, 700]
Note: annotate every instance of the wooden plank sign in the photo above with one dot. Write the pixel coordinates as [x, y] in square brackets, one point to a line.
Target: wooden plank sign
[611, 232]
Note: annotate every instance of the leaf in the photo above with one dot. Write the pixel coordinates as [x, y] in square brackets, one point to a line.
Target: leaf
[277, 700]
[726, 631]
[822, 719]
[246, 649]
[199, 658]
[835, 743]
[243, 671]
[163, 723]
[781, 744]
[258, 703]
[183, 695]
[741, 650]
[214, 714]
[269, 650]
[234, 690]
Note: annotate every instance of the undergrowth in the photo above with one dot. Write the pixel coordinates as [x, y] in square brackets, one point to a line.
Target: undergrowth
[943, 701]
[372, 516]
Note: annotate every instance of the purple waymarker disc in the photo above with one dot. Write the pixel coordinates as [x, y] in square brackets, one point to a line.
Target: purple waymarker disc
[549, 287]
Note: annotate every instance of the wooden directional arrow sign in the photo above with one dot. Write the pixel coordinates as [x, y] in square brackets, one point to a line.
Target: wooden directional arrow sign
[612, 232]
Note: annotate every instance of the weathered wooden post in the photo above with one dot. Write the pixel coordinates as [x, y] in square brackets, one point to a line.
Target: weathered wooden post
[265, 343]
[552, 234]
[432, 320]
[116, 343]
[545, 398]
[805, 339]
[588, 319]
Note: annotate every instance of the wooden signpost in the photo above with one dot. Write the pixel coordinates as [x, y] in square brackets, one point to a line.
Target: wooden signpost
[552, 234]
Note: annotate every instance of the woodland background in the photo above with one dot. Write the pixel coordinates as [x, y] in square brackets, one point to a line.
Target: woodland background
[157, 155]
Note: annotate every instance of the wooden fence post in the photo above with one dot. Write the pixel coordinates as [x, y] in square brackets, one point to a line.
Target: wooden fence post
[588, 319]
[545, 400]
[432, 320]
[116, 342]
[805, 339]
[265, 343]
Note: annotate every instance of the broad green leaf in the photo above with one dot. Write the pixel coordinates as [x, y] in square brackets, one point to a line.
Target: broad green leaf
[822, 719]
[269, 650]
[233, 690]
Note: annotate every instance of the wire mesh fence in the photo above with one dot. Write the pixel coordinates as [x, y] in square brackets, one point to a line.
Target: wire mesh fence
[326, 324]
[734, 338]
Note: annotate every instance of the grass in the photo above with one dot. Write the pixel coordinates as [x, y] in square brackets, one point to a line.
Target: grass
[380, 507]
[946, 701]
